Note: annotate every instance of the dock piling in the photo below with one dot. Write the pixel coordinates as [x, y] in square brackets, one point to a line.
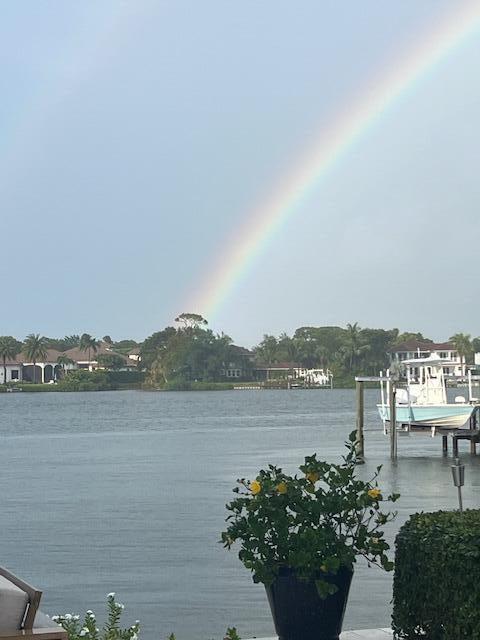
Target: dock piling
[445, 445]
[360, 421]
[392, 396]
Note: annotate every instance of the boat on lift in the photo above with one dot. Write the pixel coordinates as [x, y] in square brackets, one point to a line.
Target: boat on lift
[423, 402]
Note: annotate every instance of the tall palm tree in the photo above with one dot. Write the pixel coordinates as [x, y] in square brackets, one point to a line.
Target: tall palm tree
[9, 348]
[463, 344]
[35, 347]
[353, 343]
[88, 343]
[63, 360]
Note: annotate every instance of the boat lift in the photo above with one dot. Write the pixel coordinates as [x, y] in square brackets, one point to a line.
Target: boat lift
[389, 384]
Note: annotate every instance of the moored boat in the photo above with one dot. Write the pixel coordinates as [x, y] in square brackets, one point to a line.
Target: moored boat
[423, 402]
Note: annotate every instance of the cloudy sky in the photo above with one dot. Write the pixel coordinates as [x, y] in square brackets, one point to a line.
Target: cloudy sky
[139, 137]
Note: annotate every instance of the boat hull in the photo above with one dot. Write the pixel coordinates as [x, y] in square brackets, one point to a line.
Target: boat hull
[452, 416]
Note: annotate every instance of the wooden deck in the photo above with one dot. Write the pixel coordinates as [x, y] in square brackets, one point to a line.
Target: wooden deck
[371, 634]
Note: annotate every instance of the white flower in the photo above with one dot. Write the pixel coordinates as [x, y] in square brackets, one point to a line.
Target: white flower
[84, 631]
[91, 615]
[134, 636]
[55, 618]
[89, 611]
[111, 595]
[75, 617]
[68, 616]
[120, 605]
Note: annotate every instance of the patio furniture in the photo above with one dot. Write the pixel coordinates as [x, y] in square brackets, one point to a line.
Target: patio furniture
[19, 614]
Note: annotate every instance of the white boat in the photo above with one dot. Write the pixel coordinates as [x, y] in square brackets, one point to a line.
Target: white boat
[423, 402]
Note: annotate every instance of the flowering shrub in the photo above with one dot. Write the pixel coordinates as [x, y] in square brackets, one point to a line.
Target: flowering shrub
[88, 630]
[314, 523]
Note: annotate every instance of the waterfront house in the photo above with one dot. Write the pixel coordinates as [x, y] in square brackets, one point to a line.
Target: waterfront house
[417, 349]
[48, 370]
[21, 368]
[238, 364]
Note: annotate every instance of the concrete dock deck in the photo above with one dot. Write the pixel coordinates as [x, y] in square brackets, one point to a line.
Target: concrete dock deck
[371, 634]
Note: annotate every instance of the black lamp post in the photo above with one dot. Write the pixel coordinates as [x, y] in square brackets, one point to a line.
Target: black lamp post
[458, 473]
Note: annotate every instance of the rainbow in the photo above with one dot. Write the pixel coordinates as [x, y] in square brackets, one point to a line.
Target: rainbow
[335, 141]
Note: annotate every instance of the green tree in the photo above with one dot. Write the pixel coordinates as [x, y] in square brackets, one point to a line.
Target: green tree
[267, 351]
[69, 342]
[111, 361]
[154, 345]
[124, 346]
[63, 361]
[35, 348]
[191, 320]
[290, 349]
[379, 342]
[353, 344]
[408, 336]
[88, 343]
[463, 344]
[476, 345]
[9, 348]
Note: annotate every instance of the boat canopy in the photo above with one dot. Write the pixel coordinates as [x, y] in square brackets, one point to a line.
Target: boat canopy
[430, 361]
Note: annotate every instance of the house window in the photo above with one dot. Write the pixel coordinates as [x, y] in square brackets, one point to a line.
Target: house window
[443, 354]
[14, 374]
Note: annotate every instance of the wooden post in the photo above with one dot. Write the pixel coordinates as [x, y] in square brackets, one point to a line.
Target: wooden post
[393, 419]
[360, 417]
[473, 427]
[455, 447]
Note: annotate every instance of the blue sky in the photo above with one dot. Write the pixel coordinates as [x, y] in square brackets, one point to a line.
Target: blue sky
[138, 135]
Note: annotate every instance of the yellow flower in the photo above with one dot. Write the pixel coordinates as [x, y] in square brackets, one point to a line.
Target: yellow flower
[281, 487]
[375, 494]
[313, 477]
[324, 568]
[255, 487]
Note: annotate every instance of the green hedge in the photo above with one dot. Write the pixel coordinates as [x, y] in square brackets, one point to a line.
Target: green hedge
[436, 586]
[125, 377]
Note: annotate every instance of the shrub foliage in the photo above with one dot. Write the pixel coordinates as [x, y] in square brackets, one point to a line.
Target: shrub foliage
[436, 587]
[313, 523]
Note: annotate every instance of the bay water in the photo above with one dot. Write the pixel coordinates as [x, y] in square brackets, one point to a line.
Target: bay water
[126, 492]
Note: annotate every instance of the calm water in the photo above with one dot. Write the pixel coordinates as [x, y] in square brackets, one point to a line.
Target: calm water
[125, 492]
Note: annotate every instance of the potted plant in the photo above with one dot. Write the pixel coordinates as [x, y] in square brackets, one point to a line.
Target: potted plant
[301, 535]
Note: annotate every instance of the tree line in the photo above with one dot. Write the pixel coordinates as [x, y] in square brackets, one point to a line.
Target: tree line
[35, 348]
[191, 351]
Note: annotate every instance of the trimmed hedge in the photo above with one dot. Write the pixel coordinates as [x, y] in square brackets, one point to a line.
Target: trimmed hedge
[125, 377]
[436, 586]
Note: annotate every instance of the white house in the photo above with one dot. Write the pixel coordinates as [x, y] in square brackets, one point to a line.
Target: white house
[443, 351]
[49, 370]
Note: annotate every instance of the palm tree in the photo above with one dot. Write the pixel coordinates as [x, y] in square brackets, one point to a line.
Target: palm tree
[63, 360]
[70, 341]
[9, 348]
[89, 344]
[353, 343]
[463, 344]
[35, 347]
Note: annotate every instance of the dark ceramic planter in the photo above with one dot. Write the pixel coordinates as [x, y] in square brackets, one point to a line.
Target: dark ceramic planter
[298, 611]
